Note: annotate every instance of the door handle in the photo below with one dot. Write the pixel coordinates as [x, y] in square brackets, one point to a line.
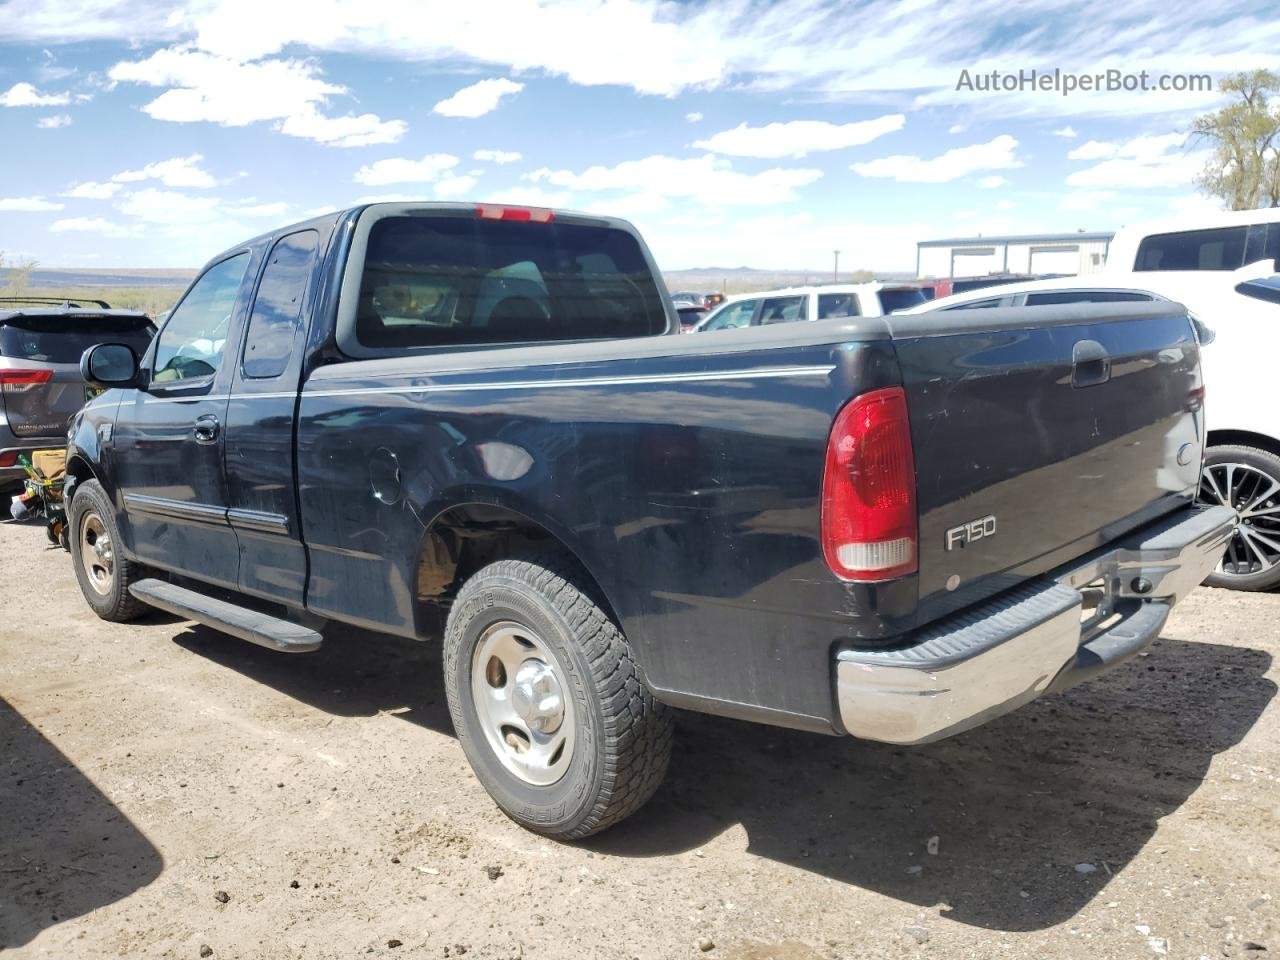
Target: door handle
[206, 428]
[1090, 364]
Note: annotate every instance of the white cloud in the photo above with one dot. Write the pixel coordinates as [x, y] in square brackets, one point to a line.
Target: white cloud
[1005, 205]
[403, 170]
[478, 99]
[1144, 161]
[455, 186]
[997, 154]
[991, 182]
[1093, 150]
[100, 225]
[26, 95]
[496, 156]
[174, 172]
[956, 128]
[708, 179]
[523, 196]
[168, 206]
[232, 93]
[365, 130]
[28, 204]
[1085, 201]
[91, 190]
[54, 122]
[251, 208]
[798, 138]
[670, 48]
[693, 116]
[1068, 132]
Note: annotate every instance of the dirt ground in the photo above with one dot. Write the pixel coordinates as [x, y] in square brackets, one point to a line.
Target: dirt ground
[166, 791]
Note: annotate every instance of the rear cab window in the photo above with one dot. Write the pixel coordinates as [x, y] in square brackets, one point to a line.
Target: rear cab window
[64, 339]
[447, 278]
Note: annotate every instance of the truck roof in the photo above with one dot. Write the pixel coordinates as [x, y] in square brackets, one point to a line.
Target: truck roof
[347, 214]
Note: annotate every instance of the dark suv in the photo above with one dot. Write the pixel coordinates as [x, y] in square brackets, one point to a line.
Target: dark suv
[41, 341]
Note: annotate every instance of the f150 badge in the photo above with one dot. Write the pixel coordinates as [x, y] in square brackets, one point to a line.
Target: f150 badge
[970, 532]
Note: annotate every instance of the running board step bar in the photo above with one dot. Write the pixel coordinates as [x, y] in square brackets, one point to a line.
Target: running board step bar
[260, 628]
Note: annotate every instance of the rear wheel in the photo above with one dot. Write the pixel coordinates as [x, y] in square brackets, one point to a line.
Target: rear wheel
[102, 570]
[548, 703]
[1247, 479]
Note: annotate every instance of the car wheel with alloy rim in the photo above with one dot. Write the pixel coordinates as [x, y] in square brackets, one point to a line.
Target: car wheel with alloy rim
[1247, 479]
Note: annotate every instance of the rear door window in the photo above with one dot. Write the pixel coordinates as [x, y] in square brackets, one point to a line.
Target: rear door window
[64, 339]
[277, 310]
[435, 281]
[831, 305]
[1218, 249]
[783, 310]
[977, 304]
[1087, 296]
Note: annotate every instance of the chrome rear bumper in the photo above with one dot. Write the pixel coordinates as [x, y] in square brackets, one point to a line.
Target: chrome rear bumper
[1034, 639]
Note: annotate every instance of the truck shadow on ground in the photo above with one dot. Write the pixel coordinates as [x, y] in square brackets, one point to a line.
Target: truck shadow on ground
[65, 849]
[1077, 778]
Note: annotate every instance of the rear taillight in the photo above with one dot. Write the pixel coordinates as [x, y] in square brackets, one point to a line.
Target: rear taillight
[494, 211]
[8, 458]
[869, 529]
[18, 380]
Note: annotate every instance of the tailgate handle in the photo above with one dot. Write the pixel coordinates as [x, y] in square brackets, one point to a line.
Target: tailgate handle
[1090, 364]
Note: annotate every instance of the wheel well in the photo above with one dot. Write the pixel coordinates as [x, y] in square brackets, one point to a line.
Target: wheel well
[78, 467]
[465, 538]
[1245, 438]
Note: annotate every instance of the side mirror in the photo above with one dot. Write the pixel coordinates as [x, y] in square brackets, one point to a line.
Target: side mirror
[110, 365]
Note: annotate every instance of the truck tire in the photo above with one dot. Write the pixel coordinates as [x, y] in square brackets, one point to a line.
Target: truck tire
[1247, 479]
[547, 701]
[101, 567]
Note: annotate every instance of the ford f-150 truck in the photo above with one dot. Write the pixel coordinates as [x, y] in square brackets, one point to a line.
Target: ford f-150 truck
[479, 422]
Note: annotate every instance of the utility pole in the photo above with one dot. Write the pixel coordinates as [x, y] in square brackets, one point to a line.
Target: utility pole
[835, 270]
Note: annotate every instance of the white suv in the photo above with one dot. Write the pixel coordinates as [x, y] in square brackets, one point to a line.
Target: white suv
[822, 302]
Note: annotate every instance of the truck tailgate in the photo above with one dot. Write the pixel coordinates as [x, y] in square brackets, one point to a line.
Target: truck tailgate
[1041, 433]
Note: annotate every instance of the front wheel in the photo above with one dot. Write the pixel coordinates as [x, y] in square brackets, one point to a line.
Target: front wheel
[1247, 479]
[102, 569]
[548, 703]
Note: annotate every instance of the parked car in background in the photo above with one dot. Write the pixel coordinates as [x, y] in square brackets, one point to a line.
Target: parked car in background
[937, 287]
[41, 341]
[1213, 242]
[883, 527]
[823, 302]
[1240, 316]
[690, 315]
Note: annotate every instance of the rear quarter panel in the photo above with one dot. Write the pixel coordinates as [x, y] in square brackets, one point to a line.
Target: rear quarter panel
[687, 483]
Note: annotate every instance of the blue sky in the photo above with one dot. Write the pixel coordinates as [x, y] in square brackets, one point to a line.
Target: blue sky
[732, 133]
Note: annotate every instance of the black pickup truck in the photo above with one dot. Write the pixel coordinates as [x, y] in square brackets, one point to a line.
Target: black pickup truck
[478, 421]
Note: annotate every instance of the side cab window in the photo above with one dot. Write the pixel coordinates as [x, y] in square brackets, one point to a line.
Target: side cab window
[191, 343]
[277, 308]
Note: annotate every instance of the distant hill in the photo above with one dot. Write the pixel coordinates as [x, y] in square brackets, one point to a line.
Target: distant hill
[99, 278]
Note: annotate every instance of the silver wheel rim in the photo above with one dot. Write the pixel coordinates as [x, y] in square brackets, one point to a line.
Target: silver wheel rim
[523, 703]
[97, 554]
[1255, 497]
